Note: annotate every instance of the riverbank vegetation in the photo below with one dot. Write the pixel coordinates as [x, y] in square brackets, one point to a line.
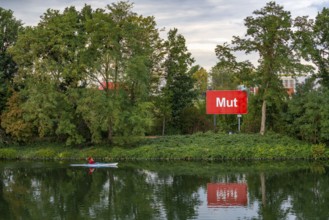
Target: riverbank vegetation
[101, 77]
[201, 146]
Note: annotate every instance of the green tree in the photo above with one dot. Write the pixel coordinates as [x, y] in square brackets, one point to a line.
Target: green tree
[179, 88]
[52, 64]
[200, 76]
[228, 73]
[270, 34]
[314, 42]
[9, 28]
[75, 52]
[307, 116]
[124, 47]
[55, 47]
[12, 120]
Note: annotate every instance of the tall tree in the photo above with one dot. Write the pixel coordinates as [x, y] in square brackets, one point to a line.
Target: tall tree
[113, 48]
[12, 120]
[270, 34]
[179, 88]
[52, 64]
[200, 75]
[228, 73]
[124, 46]
[313, 39]
[307, 116]
[9, 28]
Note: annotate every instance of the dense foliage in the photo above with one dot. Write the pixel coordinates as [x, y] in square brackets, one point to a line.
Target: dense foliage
[270, 34]
[95, 75]
[200, 146]
[9, 29]
[162, 190]
[307, 115]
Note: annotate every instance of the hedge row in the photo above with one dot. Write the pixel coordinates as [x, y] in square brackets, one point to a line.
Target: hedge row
[205, 146]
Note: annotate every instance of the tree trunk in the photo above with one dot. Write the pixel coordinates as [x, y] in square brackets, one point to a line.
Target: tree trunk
[263, 121]
[263, 187]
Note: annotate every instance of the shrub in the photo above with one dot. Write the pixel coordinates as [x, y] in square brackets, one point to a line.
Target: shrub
[44, 154]
[318, 151]
[96, 153]
[67, 155]
[8, 153]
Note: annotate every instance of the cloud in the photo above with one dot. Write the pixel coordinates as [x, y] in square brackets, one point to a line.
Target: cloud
[304, 7]
[204, 24]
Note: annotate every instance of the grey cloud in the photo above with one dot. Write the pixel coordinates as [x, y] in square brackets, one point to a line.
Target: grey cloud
[203, 23]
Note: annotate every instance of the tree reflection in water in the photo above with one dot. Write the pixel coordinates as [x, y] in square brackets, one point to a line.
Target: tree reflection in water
[159, 190]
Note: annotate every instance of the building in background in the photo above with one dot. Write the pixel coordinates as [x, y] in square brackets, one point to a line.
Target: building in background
[289, 84]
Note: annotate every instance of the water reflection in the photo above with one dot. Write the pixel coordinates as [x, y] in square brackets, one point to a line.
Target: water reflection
[164, 191]
[227, 194]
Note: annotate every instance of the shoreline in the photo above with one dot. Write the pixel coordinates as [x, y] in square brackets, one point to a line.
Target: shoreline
[197, 147]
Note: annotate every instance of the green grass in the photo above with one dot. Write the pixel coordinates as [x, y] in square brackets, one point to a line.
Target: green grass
[200, 146]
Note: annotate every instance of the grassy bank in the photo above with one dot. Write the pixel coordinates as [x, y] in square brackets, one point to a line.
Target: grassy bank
[202, 146]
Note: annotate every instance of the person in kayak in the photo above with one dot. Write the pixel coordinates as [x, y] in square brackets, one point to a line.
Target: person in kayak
[91, 160]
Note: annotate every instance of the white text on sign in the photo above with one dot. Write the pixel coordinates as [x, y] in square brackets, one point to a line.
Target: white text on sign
[226, 103]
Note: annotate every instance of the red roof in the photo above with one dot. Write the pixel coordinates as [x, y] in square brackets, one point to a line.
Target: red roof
[110, 85]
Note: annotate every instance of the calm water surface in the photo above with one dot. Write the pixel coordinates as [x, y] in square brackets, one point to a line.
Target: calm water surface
[165, 190]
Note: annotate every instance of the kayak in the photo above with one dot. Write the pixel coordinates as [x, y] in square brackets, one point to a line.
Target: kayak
[95, 165]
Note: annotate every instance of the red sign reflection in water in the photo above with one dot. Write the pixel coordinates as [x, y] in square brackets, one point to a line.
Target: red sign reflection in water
[227, 194]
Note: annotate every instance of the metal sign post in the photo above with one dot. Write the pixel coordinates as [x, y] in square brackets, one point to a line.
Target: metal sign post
[239, 122]
[226, 102]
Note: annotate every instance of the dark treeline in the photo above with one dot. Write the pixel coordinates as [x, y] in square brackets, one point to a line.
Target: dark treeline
[93, 75]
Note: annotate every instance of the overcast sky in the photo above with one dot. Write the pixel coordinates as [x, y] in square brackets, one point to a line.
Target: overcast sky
[203, 23]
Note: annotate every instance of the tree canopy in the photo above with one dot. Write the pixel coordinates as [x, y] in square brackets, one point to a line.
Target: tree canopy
[9, 29]
[269, 33]
[69, 54]
[92, 75]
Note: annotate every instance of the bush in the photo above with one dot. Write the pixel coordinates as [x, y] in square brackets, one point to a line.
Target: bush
[65, 155]
[201, 146]
[44, 154]
[96, 153]
[8, 153]
[318, 151]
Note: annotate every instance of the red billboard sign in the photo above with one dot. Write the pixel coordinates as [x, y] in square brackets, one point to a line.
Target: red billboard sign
[227, 194]
[227, 102]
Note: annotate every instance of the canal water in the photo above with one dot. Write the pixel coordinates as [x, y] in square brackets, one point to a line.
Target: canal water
[165, 190]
